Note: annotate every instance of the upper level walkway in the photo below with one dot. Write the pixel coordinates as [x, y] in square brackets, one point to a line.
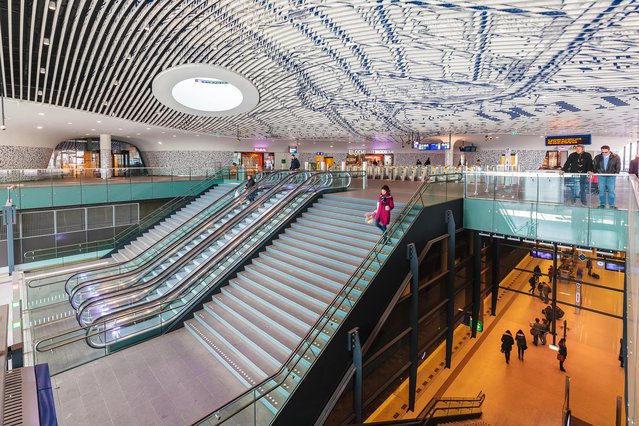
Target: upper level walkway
[551, 206]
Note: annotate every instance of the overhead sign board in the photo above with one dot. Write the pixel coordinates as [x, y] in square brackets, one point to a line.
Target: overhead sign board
[568, 140]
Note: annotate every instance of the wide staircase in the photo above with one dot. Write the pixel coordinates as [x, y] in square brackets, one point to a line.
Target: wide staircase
[171, 223]
[255, 323]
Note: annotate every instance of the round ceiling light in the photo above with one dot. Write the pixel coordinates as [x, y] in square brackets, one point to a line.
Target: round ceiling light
[208, 90]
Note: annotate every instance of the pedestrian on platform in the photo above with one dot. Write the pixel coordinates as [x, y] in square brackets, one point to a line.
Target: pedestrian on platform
[533, 284]
[551, 269]
[540, 289]
[579, 162]
[520, 337]
[621, 353]
[383, 211]
[536, 330]
[589, 267]
[295, 163]
[507, 343]
[607, 165]
[545, 329]
[537, 271]
[546, 290]
[562, 354]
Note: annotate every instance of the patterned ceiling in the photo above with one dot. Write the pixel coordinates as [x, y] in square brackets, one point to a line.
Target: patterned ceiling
[339, 68]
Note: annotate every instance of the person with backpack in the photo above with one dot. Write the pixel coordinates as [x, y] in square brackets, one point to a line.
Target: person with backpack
[520, 337]
[507, 343]
[533, 284]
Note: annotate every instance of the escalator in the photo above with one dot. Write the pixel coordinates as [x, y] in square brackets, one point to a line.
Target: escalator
[196, 240]
[147, 318]
[291, 352]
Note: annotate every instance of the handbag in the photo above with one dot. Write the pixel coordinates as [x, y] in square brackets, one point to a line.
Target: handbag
[561, 357]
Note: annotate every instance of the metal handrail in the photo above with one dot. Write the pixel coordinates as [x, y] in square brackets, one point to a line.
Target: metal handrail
[141, 291]
[132, 229]
[315, 330]
[168, 250]
[149, 308]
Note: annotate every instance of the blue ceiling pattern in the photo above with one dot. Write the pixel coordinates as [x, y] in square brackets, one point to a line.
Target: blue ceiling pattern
[339, 68]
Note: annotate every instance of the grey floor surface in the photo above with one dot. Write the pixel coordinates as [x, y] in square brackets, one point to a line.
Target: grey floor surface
[171, 380]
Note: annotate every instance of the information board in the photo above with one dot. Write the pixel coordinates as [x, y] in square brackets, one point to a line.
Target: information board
[568, 140]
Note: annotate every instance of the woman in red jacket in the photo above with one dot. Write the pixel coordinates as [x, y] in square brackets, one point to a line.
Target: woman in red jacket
[384, 206]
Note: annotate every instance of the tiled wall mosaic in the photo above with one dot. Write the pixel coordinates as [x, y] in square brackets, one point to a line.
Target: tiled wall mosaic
[196, 159]
[24, 157]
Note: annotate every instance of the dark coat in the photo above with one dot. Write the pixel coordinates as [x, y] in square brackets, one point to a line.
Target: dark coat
[578, 163]
[521, 340]
[507, 342]
[634, 167]
[383, 216]
[563, 351]
[614, 164]
[295, 164]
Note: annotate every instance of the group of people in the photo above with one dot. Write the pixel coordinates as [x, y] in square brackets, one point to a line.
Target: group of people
[604, 165]
[508, 341]
[426, 163]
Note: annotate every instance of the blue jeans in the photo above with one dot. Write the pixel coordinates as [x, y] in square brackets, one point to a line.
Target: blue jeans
[579, 182]
[607, 183]
[380, 226]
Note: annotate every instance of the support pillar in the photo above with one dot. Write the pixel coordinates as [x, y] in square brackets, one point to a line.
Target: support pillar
[414, 324]
[554, 294]
[9, 219]
[495, 275]
[355, 346]
[476, 283]
[450, 288]
[365, 171]
[106, 161]
[449, 152]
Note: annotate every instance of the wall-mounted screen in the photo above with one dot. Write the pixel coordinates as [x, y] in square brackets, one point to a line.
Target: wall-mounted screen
[292, 150]
[568, 140]
[614, 266]
[542, 254]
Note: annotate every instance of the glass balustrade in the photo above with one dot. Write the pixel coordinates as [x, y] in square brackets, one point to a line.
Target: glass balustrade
[549, 206]
[261, 404]
[138, 323]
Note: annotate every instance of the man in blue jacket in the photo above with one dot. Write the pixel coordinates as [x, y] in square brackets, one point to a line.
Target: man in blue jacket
[608, 164]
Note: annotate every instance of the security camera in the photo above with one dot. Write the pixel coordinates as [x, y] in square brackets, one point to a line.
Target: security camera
[3, 127]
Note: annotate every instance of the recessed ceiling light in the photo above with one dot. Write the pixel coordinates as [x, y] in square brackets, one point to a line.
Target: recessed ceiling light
[197, 136]
[99, 121]
[120, 128]
[174, 136]
[160, 142]
[86, 134]
[116, 82]
[40, 113]
[38, 127]
[148, 128]
[52, 5]
[45, 41]
[42, 70]
[39, 92]
[163, 133]
[138, 134]
[93, 130]
[69, 122]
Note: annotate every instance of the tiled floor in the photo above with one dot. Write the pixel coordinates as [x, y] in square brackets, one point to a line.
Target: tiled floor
[531, 392]
[167, 381]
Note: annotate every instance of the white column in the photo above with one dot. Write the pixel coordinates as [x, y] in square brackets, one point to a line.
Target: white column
[106, 161]
[323, 166]
[343, 166]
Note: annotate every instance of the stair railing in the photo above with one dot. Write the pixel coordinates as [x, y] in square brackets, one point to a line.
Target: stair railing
[311, 346]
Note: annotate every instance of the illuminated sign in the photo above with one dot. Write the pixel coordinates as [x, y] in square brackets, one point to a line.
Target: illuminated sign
[434, 146]
[568, 140]
[259, 149]
[292, 150]
[357, 151]
[382, 151]
[319, 153]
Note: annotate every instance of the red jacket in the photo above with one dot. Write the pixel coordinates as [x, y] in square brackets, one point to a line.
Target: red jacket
[383, 216]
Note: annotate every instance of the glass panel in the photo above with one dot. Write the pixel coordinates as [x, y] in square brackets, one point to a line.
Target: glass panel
[37, 223]
[69, 220]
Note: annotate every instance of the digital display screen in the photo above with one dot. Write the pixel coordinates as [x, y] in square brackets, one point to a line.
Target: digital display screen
[541, 254]
[614, 266]
[292, 150]
[433, 146]
[568, 140]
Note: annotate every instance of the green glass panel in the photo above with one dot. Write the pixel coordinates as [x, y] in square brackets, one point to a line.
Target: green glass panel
[119, 192]
[33, 198]
[66, 195]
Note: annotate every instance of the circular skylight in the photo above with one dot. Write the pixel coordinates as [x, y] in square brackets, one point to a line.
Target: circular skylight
[207, 94]
[207, 90]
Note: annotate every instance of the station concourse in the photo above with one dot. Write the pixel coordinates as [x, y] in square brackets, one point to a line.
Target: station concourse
[319, 212]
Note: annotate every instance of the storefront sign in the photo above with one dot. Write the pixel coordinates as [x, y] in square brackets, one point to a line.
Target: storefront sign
[381, 151]
[259, 149]
[357, 151]
[568, 140]
[319, 153]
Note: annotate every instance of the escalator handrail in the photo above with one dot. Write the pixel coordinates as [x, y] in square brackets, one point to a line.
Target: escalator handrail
[173, 246]
[158, 280]
[230, 246]
[88, 329]
[315, 330]
[193, 191]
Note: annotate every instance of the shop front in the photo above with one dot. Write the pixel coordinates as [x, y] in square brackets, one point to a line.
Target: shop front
[258, 160]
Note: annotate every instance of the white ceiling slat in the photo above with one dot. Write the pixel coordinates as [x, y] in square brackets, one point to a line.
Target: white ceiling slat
[335, 68]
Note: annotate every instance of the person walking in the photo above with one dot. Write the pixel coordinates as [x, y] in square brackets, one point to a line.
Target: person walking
[533, 284]
[546, 290]
[579, 161]
[418, 162]
[545, 329]
[427, 163]
[589, 267]
[621, 357]
[295, 163]
[610, 164]
[520, 337]
[540, 289]
[536, 330]
[562, 354]
[383, 211]
[507, 343]
[537, 271]
[250, 183]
